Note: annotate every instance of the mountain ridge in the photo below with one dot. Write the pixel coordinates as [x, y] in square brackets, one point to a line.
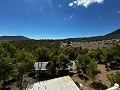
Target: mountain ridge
[113, 35]
[13, 38]
[114, 32]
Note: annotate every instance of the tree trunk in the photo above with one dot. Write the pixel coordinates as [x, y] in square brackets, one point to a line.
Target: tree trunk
[21, 82]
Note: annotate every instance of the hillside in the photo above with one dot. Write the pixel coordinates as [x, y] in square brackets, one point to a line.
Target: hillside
[92, 39]
[93, 42]
[86, 42]
[115, 32]
[113, 35]
[13, 38]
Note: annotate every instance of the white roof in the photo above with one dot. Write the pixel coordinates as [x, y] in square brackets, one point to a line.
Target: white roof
[62, 83]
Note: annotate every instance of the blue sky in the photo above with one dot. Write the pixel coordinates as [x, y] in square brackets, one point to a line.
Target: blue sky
[56, 19]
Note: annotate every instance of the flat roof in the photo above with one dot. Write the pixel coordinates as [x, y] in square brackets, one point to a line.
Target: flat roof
[62, 83]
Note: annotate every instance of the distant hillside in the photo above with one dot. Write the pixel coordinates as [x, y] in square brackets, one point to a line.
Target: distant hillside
[115, 32]
[113, 35]
[86, 42]
[95, 38]
[13, 38]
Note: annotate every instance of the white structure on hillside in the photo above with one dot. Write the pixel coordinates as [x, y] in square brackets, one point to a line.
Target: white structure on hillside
[62, 83]
[115, 87]
[42, 65]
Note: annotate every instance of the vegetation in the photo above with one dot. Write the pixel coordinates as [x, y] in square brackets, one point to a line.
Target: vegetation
[7, 58]
[34, 44]
[42, 55]
[25, 62]
[114, 78]
[53, 66]
[92, 70]
[18, 59]
[95, 38]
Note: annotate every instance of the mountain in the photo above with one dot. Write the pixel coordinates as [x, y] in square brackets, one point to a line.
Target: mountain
[86, 42]
[113, 35]
[114, 32]
[13, 38]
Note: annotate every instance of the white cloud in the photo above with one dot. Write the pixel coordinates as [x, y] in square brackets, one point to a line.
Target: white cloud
[71, 16]
[118, 11]
[84, 3]
[59, 5]
[66, 19]
[99, 17]
[40, 9]
[70, 4]
[26, 2]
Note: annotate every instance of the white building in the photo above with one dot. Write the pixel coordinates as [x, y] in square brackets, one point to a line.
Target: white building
[62, 83]
[42, 65]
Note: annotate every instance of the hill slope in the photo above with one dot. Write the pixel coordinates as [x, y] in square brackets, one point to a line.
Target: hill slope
[115, 32]
[113, 35]
[13, 38]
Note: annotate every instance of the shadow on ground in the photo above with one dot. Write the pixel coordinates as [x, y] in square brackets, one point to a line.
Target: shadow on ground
[98, 86]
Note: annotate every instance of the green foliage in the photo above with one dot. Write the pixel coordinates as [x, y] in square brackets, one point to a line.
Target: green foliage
[34, 44]
[70, 52]
[114, 78]
[83, 62]
[95, 54]
[25, 62]
[21, 60]
[6, 67]
[63, 61]
[9, 49]
[111, 55]
[41, 54]
[53, 65]
[87, 65]
[79, 50]
[92, 70]
[7, 54]
[57, 63]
